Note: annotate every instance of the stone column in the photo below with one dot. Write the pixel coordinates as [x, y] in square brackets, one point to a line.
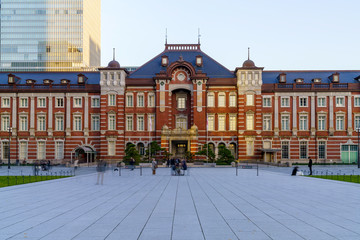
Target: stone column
[331, 115]
[313, 115]
[349, 111]
[50, 116]
[276, 115]
[32, 116]
[295, 115]
[68, 115]
[86, 116]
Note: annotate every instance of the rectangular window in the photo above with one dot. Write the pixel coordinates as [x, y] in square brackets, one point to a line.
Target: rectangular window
[181, 122]
[232, 101]
[112, 99]
[303, 123]
[321, 102]
[140, 123]
[24, 102]
[285, 149]
[211, 100]
[340, 102]
[23, 150]
[41, 123]
[250, 148]
[23, 123]
[340, 123]
[95, 123]
[151, 123]
[357, 123]
[95, 102]
[59, 150]
[357, 101]
[112, 122]
[232, 123]
[266, 102]
[41, 102]
[221, 119]
[266, 123]
[129, 123]
[221, 99]
[111, 148]
[41, 150]
[59, 123]
[303, 101]
[5, 123]
[151, 99]
[303, 150]
[322, 150]
[5, 102]
[321, 123]
[285, 102]
[285, 123]
[5, 150]
[181, 102]
[249, 100]
[77, 123]
[210, 123]
[129, 101]
[59, 102]
[249, 122]
[140, 100]
[77, 102]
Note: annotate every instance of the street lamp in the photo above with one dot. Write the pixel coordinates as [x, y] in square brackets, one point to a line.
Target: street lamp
[358, 131]
[10, 130]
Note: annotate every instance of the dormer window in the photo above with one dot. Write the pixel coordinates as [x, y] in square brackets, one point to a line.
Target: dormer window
[357, 78]
[30, 81]
[282, 78]
[81, 79]
[11, 79]
[299, 80]
[47, 81]
[64, 81]
[199, 61]
[335, 78]
[164, 61]
[316, 80]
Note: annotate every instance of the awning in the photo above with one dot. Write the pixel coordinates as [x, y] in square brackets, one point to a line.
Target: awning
[85, 148]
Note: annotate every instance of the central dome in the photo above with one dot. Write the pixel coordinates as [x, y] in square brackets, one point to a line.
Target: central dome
[114, 64]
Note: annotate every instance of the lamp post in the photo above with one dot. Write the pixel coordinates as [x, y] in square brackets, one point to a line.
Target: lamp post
[10, 130]
[358, 131]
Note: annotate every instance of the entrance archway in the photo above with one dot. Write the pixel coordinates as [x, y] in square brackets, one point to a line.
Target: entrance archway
[84, 154]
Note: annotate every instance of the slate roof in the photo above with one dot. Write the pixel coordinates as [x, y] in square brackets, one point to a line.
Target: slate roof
[93, 77]
[345, 76]
[212, 68]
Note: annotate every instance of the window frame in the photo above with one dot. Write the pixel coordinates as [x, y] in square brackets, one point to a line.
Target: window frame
[151, 100]
[324, 101]
[77, 123]
[232, 100]
[128, 126]
[340, 101]
[323, 128]
[129, 97]
[221, 122]
[77, 102]
[302, 144]
[112, 122]
[250, 117]
[59, 100]
[111, 99]
[285, 143]
[211, 100]
[5, 102]
[266, 100]
[140, 99]
[250, 99]
[23, 123]
[140, 126]
[95, 122]
[95, 100]
[322, 155]
[221, 99]
[232, 124]
[41, 155]
[303, 101]
[303, 122]
[357, 101]
[267, 122]
[41, 123]
[283, 116]
[282, 103]
[24, 102]
[5, 124]
[39, 104]
[337, 118]
[211, 119]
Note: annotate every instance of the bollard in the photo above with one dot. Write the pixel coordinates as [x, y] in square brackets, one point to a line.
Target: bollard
[120, 170]
[236, 170]
[140, 170]
[257, 169]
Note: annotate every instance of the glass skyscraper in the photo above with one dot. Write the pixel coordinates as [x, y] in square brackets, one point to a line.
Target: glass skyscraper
[49, 35]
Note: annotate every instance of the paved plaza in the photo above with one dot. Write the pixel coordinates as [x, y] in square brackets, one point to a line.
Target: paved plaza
[210, 203]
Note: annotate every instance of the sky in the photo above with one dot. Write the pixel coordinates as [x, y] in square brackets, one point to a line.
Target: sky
[281, 34]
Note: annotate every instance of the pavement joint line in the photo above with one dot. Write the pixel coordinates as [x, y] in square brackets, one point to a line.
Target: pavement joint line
[285, 213]
[174, 212]
[197, 213]
[132, 209]
[126, 189]
[203, 190]
[152, 211]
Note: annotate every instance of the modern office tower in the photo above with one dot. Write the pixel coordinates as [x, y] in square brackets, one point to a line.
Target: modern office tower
[50, 35]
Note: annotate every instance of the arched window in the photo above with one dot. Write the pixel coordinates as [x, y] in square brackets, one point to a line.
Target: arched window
[141, 149]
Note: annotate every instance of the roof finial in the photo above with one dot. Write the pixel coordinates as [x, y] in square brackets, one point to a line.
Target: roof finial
[114, 54]
[248, 53]
[165, 36]
[199, 36]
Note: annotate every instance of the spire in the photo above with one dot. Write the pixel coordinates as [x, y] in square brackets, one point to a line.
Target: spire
[199, 36]
[248, 53]
[114, 54]
[165, 36]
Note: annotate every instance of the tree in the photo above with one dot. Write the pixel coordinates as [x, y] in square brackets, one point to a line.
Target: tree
[224, 155]
[131, 152]
[154, 149]
[207, 151]
[189, 156]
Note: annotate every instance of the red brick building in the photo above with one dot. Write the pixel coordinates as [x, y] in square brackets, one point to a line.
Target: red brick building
[183, 99]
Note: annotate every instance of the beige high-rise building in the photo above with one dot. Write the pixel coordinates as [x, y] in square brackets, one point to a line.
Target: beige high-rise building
[50, 35]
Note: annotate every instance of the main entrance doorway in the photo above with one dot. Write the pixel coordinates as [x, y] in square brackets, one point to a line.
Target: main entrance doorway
[179, 148]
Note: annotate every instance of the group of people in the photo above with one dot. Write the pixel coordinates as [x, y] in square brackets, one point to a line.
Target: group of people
[295, 169]
[177, 165]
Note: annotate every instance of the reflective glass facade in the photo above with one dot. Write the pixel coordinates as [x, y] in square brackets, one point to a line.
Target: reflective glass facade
[49, 35]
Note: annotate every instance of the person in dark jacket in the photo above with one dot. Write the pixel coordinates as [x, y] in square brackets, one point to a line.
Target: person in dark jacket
[294, 171]
[310, 165]
[132, 164]
[100, 168]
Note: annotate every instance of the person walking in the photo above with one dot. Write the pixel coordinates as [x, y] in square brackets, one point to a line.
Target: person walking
[153, 166]
[310, 165]
[100, 168]
[184, 165]
[132, 164]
